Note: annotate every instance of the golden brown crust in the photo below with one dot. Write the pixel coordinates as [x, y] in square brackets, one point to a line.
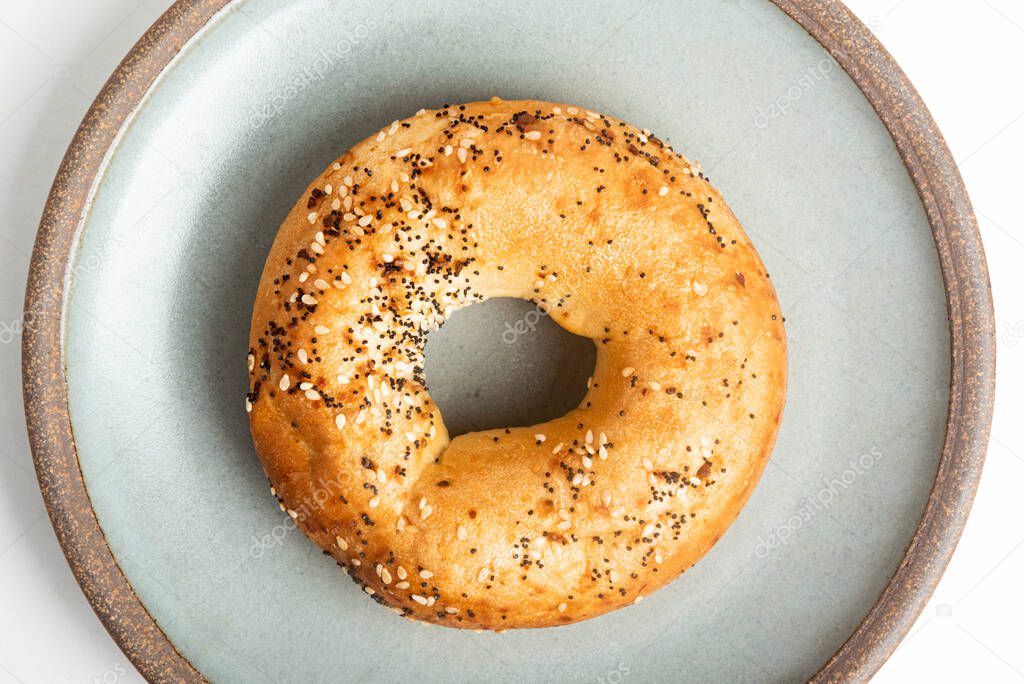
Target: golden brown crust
[619, 239]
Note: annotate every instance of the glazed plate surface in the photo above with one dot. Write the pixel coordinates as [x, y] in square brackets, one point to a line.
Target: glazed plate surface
[189, 201]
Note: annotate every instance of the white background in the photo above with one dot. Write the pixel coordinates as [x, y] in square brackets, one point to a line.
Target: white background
[966, 57]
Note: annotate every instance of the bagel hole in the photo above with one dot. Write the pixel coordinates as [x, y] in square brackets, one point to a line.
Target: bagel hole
[505, 363]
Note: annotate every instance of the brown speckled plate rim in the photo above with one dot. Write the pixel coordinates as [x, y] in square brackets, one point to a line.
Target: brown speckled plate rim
[924, 152]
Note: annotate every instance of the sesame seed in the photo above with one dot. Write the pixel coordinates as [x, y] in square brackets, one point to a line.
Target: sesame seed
[285, 382]
[628, 371]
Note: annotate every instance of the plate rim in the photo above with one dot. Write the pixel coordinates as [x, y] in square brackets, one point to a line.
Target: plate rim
[896, 102]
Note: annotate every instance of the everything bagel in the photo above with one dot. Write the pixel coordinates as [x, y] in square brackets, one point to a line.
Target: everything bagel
[618, 238]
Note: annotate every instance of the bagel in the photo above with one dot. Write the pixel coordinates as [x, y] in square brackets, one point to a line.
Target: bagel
[617, 238]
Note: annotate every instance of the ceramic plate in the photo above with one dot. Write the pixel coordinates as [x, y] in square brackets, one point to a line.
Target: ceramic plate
[161, 218]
